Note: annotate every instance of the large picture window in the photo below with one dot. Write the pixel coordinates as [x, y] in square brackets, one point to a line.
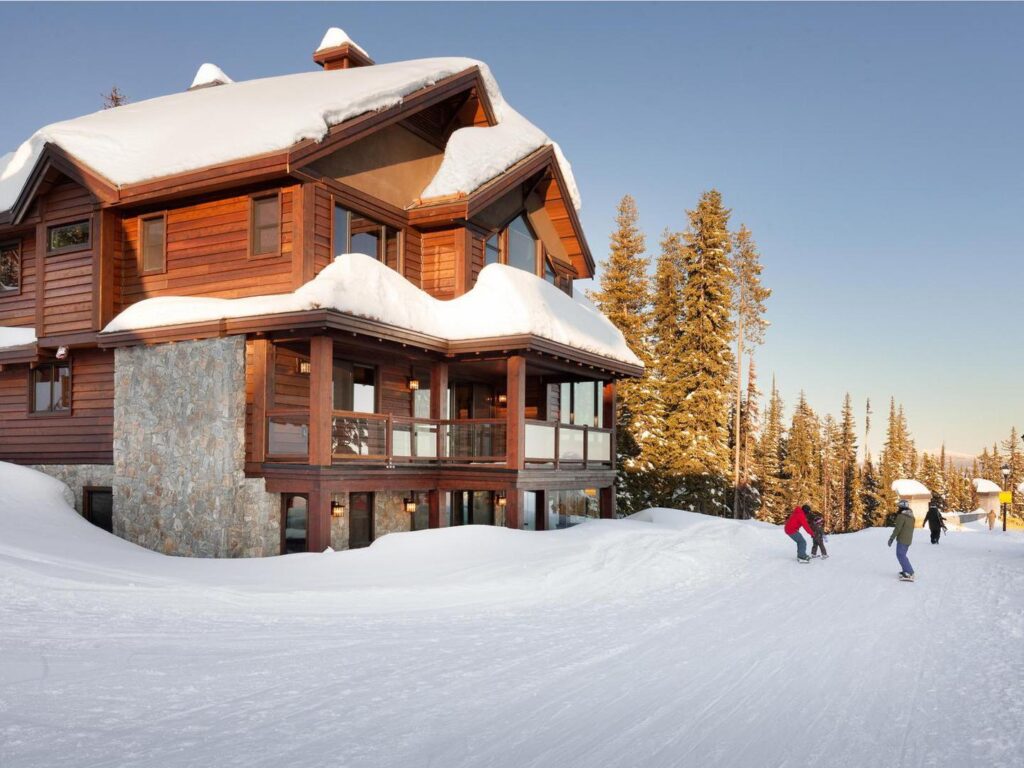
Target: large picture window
[355, 233]
[10, 267]
[265, 237]
[51, 388]
[74, 236]
[153, 243]
[522, 246]
[582, 403]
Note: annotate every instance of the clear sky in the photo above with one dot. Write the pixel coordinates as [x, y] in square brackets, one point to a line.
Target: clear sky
[874, 150]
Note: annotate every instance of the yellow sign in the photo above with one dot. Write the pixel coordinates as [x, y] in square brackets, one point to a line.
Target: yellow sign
[1006, 497]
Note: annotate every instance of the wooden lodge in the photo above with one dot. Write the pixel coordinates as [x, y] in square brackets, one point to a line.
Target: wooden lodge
[288, 431]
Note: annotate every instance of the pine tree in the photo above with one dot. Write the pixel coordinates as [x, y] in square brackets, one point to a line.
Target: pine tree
[871, 497]
[114, 98]
[701, 423]
[851, 501]
[769, 458]
[1015, 461]
[625, 299]
[893, 461]
[750, 472]
[749, 297]
[802, 464]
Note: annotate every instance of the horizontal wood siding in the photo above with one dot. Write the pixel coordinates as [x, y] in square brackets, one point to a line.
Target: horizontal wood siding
[291, 388]
[439, 263]
[208, 254]
[83, 437]
[20, 308]
[414, 257]
[476, 262]
[395, 395]
[68, 277]
[323, 218]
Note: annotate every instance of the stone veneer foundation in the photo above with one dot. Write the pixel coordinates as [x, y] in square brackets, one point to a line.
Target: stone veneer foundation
[179, 453]
[77, 476]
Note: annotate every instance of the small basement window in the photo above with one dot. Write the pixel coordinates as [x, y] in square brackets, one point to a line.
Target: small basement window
[265, 238]
[74, 236]
[153, 243]
[98, 507]
[51, 388]
[10, 267]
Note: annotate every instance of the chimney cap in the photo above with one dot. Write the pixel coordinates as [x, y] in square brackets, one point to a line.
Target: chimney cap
[209, 75]
[339, 51]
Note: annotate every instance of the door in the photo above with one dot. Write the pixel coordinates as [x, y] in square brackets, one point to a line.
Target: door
[294, 524]
[360, 520]
[98, 507]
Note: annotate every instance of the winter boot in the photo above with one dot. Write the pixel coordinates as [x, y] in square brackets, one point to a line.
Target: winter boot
[804, 559]
[906, 577]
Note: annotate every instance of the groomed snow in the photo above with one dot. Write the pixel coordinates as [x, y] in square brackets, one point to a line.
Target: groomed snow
[910, 488]
[207, 126]
[683, 641]
[504, 302]
[210, 74]
[336, 36]
[981, 485]
[16, 337]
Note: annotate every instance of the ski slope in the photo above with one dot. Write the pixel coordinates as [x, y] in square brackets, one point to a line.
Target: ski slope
[670, 640]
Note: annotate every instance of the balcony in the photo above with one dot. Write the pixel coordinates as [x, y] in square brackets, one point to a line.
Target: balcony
[384, 439]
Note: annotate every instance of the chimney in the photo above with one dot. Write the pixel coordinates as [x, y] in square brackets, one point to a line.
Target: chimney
[338, 51]
[209, 75]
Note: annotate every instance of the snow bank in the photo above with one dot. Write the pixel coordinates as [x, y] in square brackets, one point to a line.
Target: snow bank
[209, 74]
[208, 126]
[16, 337]
[910, 488]
[981, 485]
[504, 302]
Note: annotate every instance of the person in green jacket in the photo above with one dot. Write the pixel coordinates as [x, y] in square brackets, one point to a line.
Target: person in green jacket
[903, 534]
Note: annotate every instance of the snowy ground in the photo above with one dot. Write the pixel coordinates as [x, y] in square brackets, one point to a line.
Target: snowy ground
[687, 641]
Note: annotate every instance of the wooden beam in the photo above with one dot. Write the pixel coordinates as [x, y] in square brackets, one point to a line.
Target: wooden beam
[434, 513]
[607, 502]
[318, 521]
[103, 270]
[263, 395]
[514, 502]
[321, 400]
[515, 433]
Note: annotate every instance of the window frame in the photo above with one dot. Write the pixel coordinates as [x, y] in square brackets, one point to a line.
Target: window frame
[52, 225]
[382, 237]
[502, 234]
[16, 290]
[87, 493]
[141, 266]
[51, 413]
[253, 200]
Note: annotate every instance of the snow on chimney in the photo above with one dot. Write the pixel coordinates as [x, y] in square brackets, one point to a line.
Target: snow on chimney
[339, 51]
[209, 75]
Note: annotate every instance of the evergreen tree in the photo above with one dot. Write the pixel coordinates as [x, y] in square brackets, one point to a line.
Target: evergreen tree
[114, 98]
[893, 462]
[750, 472]
[769, 458]
[1015, 461]
[749, 297]
[802, 464]
[700, 420]
[871, 497]
[625, 299]
[847, 452]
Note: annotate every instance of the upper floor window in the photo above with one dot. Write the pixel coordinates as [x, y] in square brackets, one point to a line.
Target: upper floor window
[265, 220]
[549, 272]
[354, 387]
[153, 243]
[355, 233]
[492, 249]
[51, 388]
[73, 236]
[581, 403]
[521, 251]
[10, 267]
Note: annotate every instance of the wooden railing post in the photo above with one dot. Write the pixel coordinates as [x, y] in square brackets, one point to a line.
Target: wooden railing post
[321, 400]
[586, 445]
[439, 402]
[515, 431]
[263, 396]
[558, 442]
[610, 416]
[389, 439]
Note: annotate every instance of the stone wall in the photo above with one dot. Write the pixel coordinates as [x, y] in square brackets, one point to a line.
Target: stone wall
[75, 476]
[179, 453]
[389, 514]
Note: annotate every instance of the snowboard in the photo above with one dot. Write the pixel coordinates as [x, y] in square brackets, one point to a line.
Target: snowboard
[905, 578]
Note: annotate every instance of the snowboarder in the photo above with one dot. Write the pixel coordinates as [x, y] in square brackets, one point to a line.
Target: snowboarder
[817, 521]
[903, 534]
[935, 521]
[798, 519]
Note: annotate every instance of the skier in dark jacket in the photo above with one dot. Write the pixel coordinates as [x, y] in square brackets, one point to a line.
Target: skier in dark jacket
[935, 521]
[817, 521]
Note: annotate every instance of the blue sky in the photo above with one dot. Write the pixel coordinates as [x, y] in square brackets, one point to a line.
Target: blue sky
[874, 150]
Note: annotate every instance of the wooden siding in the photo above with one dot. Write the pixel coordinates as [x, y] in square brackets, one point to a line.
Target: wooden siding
[414, 257]
[476, 260]
[208, 254]
[291, 388]
[67, 302]
[20, 308]
[438, 277]
[323, 215]
[85, 436]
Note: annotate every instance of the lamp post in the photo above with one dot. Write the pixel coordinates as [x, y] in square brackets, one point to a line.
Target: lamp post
[1006, 476]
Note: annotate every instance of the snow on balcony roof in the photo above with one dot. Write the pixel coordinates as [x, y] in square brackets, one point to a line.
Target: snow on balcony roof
[209, 74]
[910, 488]
[981, 485]
[336, 36]
[187, 131]
[16, 337]
[504, 302]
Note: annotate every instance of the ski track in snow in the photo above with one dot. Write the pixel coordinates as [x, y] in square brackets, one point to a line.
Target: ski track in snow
[612, 644]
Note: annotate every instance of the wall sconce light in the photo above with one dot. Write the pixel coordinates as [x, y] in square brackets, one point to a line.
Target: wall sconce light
[502, 399]
[305, 367]
[62, 353]
[410, 505]
[414, 384]
[502, 499]
[337, 508]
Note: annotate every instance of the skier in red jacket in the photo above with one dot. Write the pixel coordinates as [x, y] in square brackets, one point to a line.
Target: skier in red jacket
[798, 519]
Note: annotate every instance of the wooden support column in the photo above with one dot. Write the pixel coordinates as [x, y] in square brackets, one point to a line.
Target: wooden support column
[318, 531]
[439, 402]
[463, 243]
[515, 441]
[103, 269]
[606, 502]
[434, 512]
[514, 503]
[321, 400]
[609, 415]
[262, 396]
[303, 239]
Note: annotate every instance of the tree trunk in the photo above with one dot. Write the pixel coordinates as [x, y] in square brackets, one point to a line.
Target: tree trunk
[736, 420]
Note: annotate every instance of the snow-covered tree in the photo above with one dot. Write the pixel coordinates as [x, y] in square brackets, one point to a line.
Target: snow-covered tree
[769, 458]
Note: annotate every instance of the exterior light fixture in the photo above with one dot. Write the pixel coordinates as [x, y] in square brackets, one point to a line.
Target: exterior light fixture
[305, 367]
[502, 499]
[1005, 469]
[337, 508]
[502, 399]
[410, 504]
[62, 353]
[414, 384]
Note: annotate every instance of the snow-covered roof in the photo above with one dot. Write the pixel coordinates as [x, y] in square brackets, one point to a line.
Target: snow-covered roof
[981, 485]
[504, 302]
[336, 36]
[209, 74]
[187, 131]
[16, 337]
[909, 488]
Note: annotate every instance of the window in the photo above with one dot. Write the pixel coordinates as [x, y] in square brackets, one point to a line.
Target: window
[354, 388]
[295, 524]
[153, 243]
[549, 272]
[522, 246]
[266, 226]
[582, 403]
[75, 236]
[492, 249]
[98, 507]
[51, 388]
[10, 267]
[355, 233]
